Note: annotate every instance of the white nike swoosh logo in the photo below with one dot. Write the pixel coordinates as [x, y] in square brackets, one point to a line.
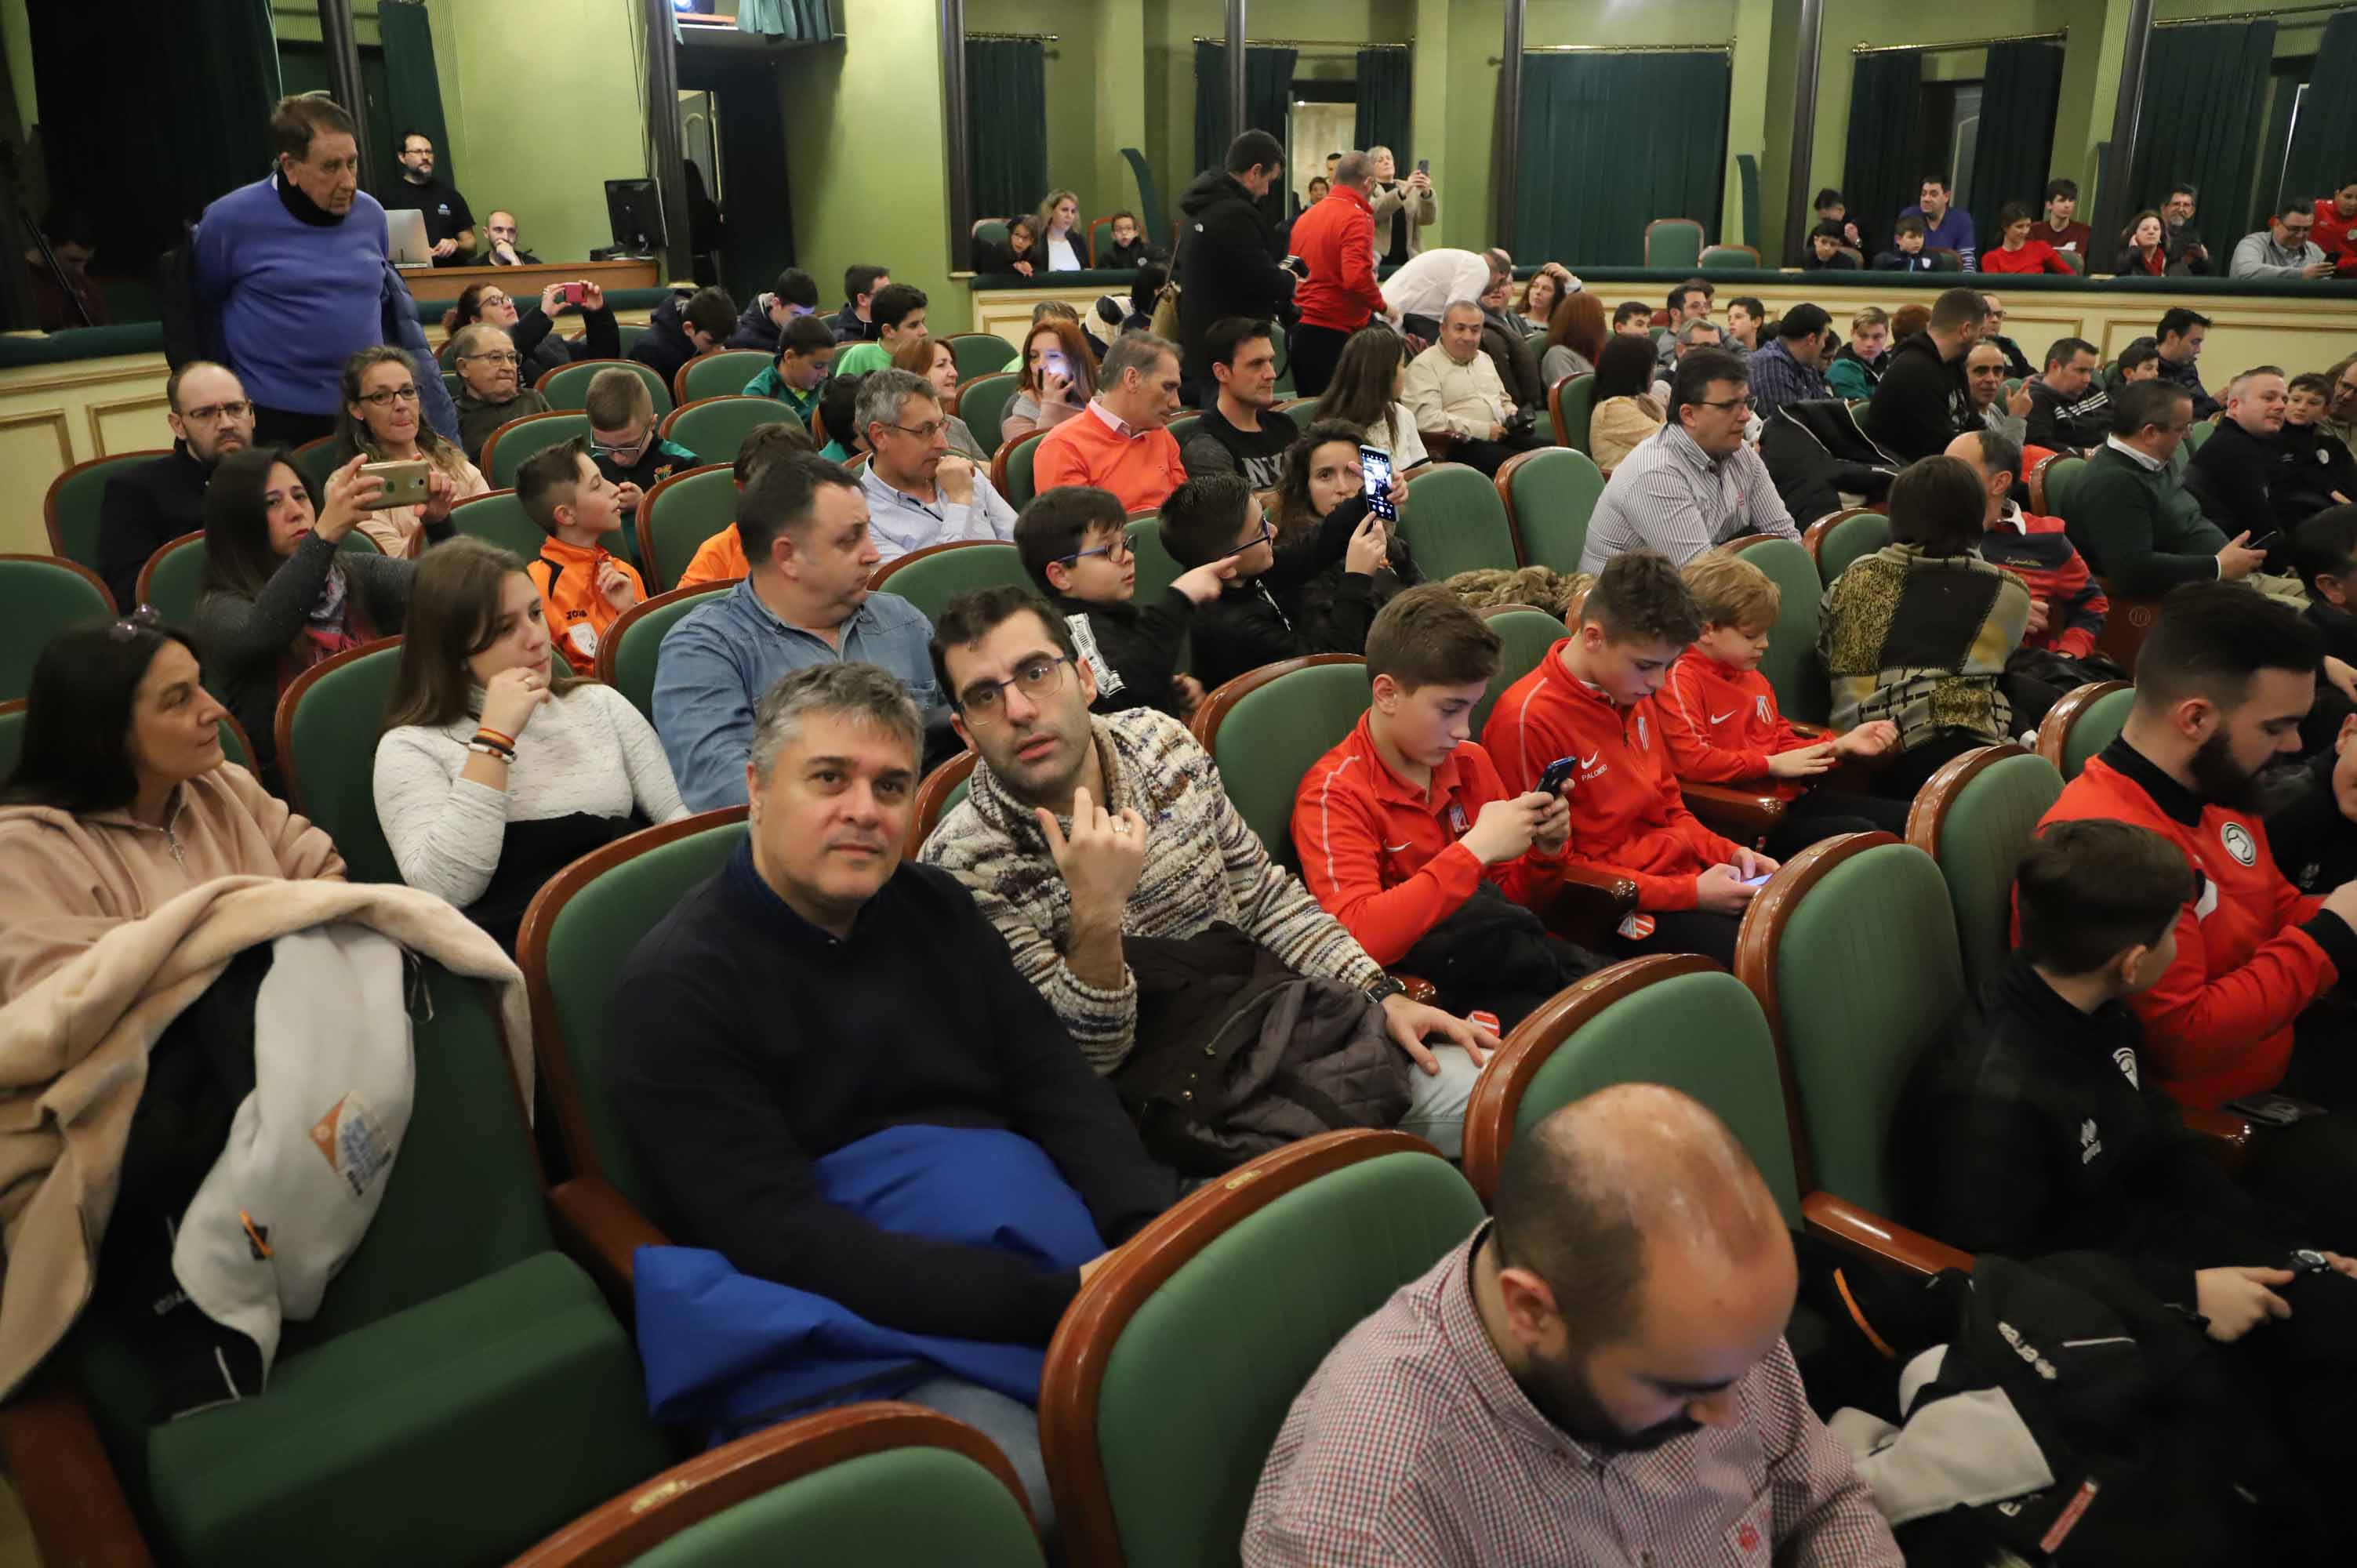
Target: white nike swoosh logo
[1722, 718]
[1394, 848]
[1590, 760]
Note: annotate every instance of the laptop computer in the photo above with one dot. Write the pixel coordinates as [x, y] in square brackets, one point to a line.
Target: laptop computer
[405, 239]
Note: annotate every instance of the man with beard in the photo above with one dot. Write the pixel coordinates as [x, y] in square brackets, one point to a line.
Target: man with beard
[147, 507]
[2222, 685]
[1599, 1375]
[449, 222]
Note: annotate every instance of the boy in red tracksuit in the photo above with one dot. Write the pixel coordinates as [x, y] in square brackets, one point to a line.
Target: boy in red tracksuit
[1720, 721]
[2223, 683]
[1591, 700]
[1397, 826]
[2336, 228]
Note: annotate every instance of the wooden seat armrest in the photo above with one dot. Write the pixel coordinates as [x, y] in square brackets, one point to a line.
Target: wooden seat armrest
[602, 1232]
[1591, 904]
[1744, 815]
[1870, 1236]
[72, 1496]
[2226, 1136]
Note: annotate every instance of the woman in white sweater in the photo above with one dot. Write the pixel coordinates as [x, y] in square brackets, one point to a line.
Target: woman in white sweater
[498, 766]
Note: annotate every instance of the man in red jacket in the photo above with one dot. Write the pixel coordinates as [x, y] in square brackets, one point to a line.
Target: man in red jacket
[2222, 685]
[2336, 228]
[1337, 239]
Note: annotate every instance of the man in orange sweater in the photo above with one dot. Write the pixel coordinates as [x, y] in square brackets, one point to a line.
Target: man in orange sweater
[583, 589]
[2222, 685]
[1123, 442]
[1337, 239]
[1720, 720]
[1592, 700]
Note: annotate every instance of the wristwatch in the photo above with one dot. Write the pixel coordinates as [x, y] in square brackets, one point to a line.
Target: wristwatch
[1384, 989]
[2308, 1261]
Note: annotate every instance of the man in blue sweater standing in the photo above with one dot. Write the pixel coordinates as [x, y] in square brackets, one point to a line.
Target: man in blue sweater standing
[1945, 226]
[289, 273]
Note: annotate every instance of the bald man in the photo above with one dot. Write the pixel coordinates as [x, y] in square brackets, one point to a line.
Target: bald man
[1594, 1377]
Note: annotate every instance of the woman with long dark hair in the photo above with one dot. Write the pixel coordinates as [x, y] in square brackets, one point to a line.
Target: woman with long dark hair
[498, 765]
[122, 801]
[1625, 411]
[279, 593]
[538, 345]
[1365, 395]
[384, 421]
[1321, 501]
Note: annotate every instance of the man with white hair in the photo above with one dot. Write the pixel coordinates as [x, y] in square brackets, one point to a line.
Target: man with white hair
[917, 494]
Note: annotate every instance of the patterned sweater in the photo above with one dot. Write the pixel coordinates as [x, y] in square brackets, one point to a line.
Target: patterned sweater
[1921, 640]
[1202, 864]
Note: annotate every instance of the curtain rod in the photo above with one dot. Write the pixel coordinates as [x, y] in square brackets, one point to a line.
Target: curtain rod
[1011, 37]
[1307, 43]
[1704, 48]
[2057, 35]
[2252, 16]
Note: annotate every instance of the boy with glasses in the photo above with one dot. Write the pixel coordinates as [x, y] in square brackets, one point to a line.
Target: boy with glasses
[622, 437]
[1075, 546]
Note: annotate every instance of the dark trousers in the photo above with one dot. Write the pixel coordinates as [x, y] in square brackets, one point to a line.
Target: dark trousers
[284, 428]
[1316, 352]
[1912, 768]
[1820, 814]
[2310, 1168]
[1684, 930]
[1487, 455]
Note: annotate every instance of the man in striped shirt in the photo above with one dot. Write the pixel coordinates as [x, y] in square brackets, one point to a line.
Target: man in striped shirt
[1599, 1376]
[1695, 483]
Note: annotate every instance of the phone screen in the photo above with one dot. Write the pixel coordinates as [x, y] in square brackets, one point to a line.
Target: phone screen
[1424, 166]
[1756, 881]
[1376, 464]
[1055, 364]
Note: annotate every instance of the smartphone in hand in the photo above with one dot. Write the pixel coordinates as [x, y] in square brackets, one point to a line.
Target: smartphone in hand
[1375, 465]
[1556, 775]
[577, 294]
[404, 483]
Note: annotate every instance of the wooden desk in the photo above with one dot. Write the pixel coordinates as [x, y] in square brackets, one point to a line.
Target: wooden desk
[525, 282]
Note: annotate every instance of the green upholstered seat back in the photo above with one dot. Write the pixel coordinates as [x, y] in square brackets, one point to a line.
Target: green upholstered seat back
[2062, 477]
[38, 598]
[532, 434]
[172, 574]
[1578, 400]
[931, 581]
[498, 518]
[681, 514]
[979, 353]
[1156, 569]
[1454, 522]
[592, 936]
[1867, 974]
[1701, 1034]
[1267, 742]
[1792, 665]
[908, 1506]
[2200, 432]
[982, 405]
[992, 231]
[1729, 258]
[315, 460]
[1525, 636]
[714, 428]
[331, 758]
[1182, 428]
[566, 388]
[1202, 1376]
[641, 646]
[2098, 725]
[72, 505]
[1849, 539]
[1675, 244]
[709, 375]
[1019, 486]
[1554, 492]
[1988, 826]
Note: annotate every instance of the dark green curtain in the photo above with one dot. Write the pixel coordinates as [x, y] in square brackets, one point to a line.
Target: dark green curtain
[2324, 143]
[1006, 123]
[1882, 168]
[1268, 106]
[2204, 101]
[1211, 106]
[1386, 78]
[803, 21]
[1593, 209]
[413, 92]
[1268, 98]
[2010, 154]
[202, 78]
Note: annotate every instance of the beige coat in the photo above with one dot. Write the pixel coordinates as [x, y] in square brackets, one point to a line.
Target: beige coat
[1617, 424]
[1398, 198]
[1464, 399]
[73, 1059]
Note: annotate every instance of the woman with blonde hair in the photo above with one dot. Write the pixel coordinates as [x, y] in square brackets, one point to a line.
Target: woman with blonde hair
[1059, 376]
[384, 421]
[1060, 249]
[932, 361]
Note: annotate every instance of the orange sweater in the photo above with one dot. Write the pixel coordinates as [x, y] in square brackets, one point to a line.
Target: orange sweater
[1142, 470]
[719, 559]
[578, 615]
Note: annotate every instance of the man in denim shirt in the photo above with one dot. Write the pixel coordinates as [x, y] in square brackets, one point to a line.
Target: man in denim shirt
[803, 522]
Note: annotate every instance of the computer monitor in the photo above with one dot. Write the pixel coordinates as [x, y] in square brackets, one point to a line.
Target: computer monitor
[406, 246]
[634, 208]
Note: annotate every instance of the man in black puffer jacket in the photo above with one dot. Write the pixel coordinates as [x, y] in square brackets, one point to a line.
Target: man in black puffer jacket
[1921, 403]
[1228, 262]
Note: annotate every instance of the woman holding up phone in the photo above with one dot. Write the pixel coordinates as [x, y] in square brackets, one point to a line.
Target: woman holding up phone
[539, 346]
[383, 422]
[1321, 493]
[1059, 376]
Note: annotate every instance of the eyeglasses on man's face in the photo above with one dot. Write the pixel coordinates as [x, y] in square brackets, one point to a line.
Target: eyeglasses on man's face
[237, 408]
[1036, 677]
[496, 357]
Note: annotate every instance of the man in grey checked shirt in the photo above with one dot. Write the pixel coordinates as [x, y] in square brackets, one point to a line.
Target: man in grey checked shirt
[1599, 1376]
[1694, 483]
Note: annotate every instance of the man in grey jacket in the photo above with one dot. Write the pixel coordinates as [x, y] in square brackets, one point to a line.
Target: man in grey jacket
[2282, 252]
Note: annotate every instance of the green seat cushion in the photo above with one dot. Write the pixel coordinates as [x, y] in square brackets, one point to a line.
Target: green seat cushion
[1269, 740]
[1981, 842]
[76, 497]
[1454, 522]
[458, 1432]
[636, 655]
[1020, 465]
[1202, 1375]
[710, 375]
[982, 405]
[331, 754]
[931, 583]
[498, 518]
[1849, 539]
[718, 427]
[535, 433]
[2099, 724]
[1155, 568]
[38, 598]
[1554, 492]
[683, 511]
[1791, 664]
[1579, 411]
[979, 353]
[566, 388]
[903, 1506]
[1525, 636]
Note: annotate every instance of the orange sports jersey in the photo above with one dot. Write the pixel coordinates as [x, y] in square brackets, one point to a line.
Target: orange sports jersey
[719, 559]
[1722, 725]
[1384, 855]
[578, 615]
[1627, 816]
[2251, 952]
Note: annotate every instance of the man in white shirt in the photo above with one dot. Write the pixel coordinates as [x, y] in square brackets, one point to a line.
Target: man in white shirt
[1453, 386]
[1415, 296]
[918, 494]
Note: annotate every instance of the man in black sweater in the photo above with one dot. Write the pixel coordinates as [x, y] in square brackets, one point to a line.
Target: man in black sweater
[1228, 261]
[2234, 473]
[146, 507]
[2068, 409]
[817, 991]
[1921, 403]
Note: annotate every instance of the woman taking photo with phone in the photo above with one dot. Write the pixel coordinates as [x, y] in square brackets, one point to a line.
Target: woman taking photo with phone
[539, 345]
[498, 765]
[384, 422]
[1059, 376]
[1322, 499]
[279, 593]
